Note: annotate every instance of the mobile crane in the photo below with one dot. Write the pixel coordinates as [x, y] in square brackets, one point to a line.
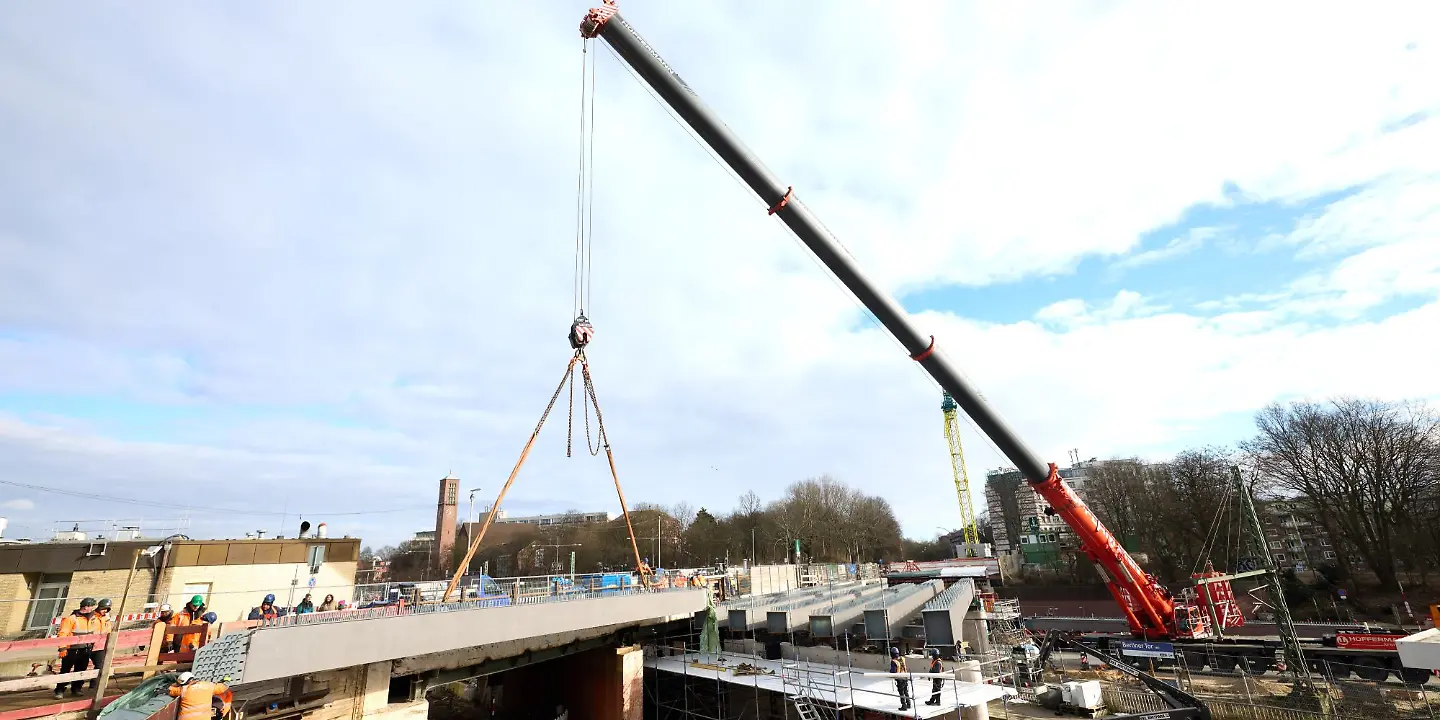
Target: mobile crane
[1151, 611]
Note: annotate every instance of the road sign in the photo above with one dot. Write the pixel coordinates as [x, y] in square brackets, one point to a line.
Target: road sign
[1141, 648]
[312, 581]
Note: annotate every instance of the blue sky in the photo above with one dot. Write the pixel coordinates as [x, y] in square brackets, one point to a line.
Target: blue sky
[314, 273]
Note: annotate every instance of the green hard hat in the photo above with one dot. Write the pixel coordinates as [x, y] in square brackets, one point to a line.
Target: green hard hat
[197, 601]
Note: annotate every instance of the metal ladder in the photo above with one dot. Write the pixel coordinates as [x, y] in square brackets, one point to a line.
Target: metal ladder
[806, 709]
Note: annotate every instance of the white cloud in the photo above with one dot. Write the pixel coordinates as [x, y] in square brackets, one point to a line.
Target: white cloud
[1177, 246]
[370, 229]
[20, 504]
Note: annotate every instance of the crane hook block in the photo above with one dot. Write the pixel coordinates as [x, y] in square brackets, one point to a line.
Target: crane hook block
[581, 332]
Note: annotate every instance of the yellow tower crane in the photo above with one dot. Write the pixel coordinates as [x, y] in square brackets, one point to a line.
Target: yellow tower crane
[962, 478]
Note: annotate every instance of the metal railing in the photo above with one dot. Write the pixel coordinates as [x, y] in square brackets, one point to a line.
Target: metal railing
[500, 592]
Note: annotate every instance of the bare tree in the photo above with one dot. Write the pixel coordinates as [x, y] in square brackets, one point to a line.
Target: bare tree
[1364, 466]
[683, 514]
[749, 504]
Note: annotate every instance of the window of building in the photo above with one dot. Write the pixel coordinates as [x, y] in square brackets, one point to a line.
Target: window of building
[1329, 554]
[316, 558]
[1324, 542]
[1279, 558]
[191, 590]
[50, 594]
[1276, 544]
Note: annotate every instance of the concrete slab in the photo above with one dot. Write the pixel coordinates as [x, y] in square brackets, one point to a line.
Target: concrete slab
[276, 652]
[849, 688]
[1421, 650]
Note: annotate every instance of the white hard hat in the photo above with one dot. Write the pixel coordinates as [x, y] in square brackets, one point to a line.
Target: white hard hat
[165, 607]
[185, 678]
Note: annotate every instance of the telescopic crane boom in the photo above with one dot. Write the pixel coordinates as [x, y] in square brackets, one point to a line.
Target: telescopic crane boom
[1149, 607]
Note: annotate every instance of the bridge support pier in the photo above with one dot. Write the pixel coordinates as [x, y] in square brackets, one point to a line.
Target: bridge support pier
[630, 662]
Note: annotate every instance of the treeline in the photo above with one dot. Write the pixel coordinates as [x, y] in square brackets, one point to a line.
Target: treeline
[831, 521]
[1365, 472]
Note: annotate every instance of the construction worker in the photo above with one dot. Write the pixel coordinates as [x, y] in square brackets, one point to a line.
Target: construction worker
[190, 615]
[166, 616]
[82, 625]
[936, 666]
[902, 685]
[107, 623]
[266, 610]
[197, 698]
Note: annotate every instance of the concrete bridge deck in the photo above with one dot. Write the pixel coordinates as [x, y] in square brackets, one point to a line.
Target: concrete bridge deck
[434, 637]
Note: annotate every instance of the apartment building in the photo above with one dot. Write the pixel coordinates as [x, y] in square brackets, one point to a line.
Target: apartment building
[1293, 541]
[1017, 515]
[557, 519]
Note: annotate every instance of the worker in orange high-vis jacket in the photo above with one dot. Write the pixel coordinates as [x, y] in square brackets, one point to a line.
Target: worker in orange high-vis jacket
[167, 617]
[191, 614]
[82, 625]
[107, 623]
[198, 698]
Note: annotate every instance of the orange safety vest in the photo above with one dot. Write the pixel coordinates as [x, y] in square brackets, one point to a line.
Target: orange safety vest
[80, 627]
[195, 699]
[188, 642]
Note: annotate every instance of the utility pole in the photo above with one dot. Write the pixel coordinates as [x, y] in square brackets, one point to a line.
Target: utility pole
[1294, 654]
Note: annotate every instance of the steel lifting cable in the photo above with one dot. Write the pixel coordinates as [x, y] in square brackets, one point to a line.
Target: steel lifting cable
[581, 333]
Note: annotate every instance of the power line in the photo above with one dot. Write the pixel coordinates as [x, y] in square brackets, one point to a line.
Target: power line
[196, 508]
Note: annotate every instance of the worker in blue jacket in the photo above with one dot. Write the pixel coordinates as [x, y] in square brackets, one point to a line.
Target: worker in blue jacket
[902, 685]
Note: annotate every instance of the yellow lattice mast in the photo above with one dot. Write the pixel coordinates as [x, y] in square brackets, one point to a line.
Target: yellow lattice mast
[962, 478]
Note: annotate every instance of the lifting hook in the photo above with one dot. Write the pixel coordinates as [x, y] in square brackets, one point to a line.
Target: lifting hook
[581, 332]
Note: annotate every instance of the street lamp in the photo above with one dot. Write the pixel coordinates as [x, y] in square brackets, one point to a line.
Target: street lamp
[470, 521]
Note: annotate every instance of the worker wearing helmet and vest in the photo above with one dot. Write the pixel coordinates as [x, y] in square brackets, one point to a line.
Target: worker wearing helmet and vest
[190, 615]
[83, 625]
[107, 623]
[902, 685]
[266, 611]
[167, 617]
[198, 698]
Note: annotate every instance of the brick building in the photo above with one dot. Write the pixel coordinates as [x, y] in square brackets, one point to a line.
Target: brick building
[43, 581]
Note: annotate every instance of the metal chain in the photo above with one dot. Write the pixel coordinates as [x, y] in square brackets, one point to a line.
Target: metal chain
[570, 423]
[601, 441]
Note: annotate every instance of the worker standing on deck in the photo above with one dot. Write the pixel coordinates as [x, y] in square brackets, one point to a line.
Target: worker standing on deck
[107, 623]
[902, 685]
[190, 615]
[266, 611]
[196, 697]
[936, 666]
[82, 625]
[166, 617]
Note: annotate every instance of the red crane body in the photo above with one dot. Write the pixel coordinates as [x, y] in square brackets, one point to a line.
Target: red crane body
[1149, 608]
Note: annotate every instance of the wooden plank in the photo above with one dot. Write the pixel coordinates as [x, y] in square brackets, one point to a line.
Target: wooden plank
[152, 649]
[136, 638]
[45, 681]
[55, 709]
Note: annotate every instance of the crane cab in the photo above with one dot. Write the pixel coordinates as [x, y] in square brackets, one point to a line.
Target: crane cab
[1191, 623]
